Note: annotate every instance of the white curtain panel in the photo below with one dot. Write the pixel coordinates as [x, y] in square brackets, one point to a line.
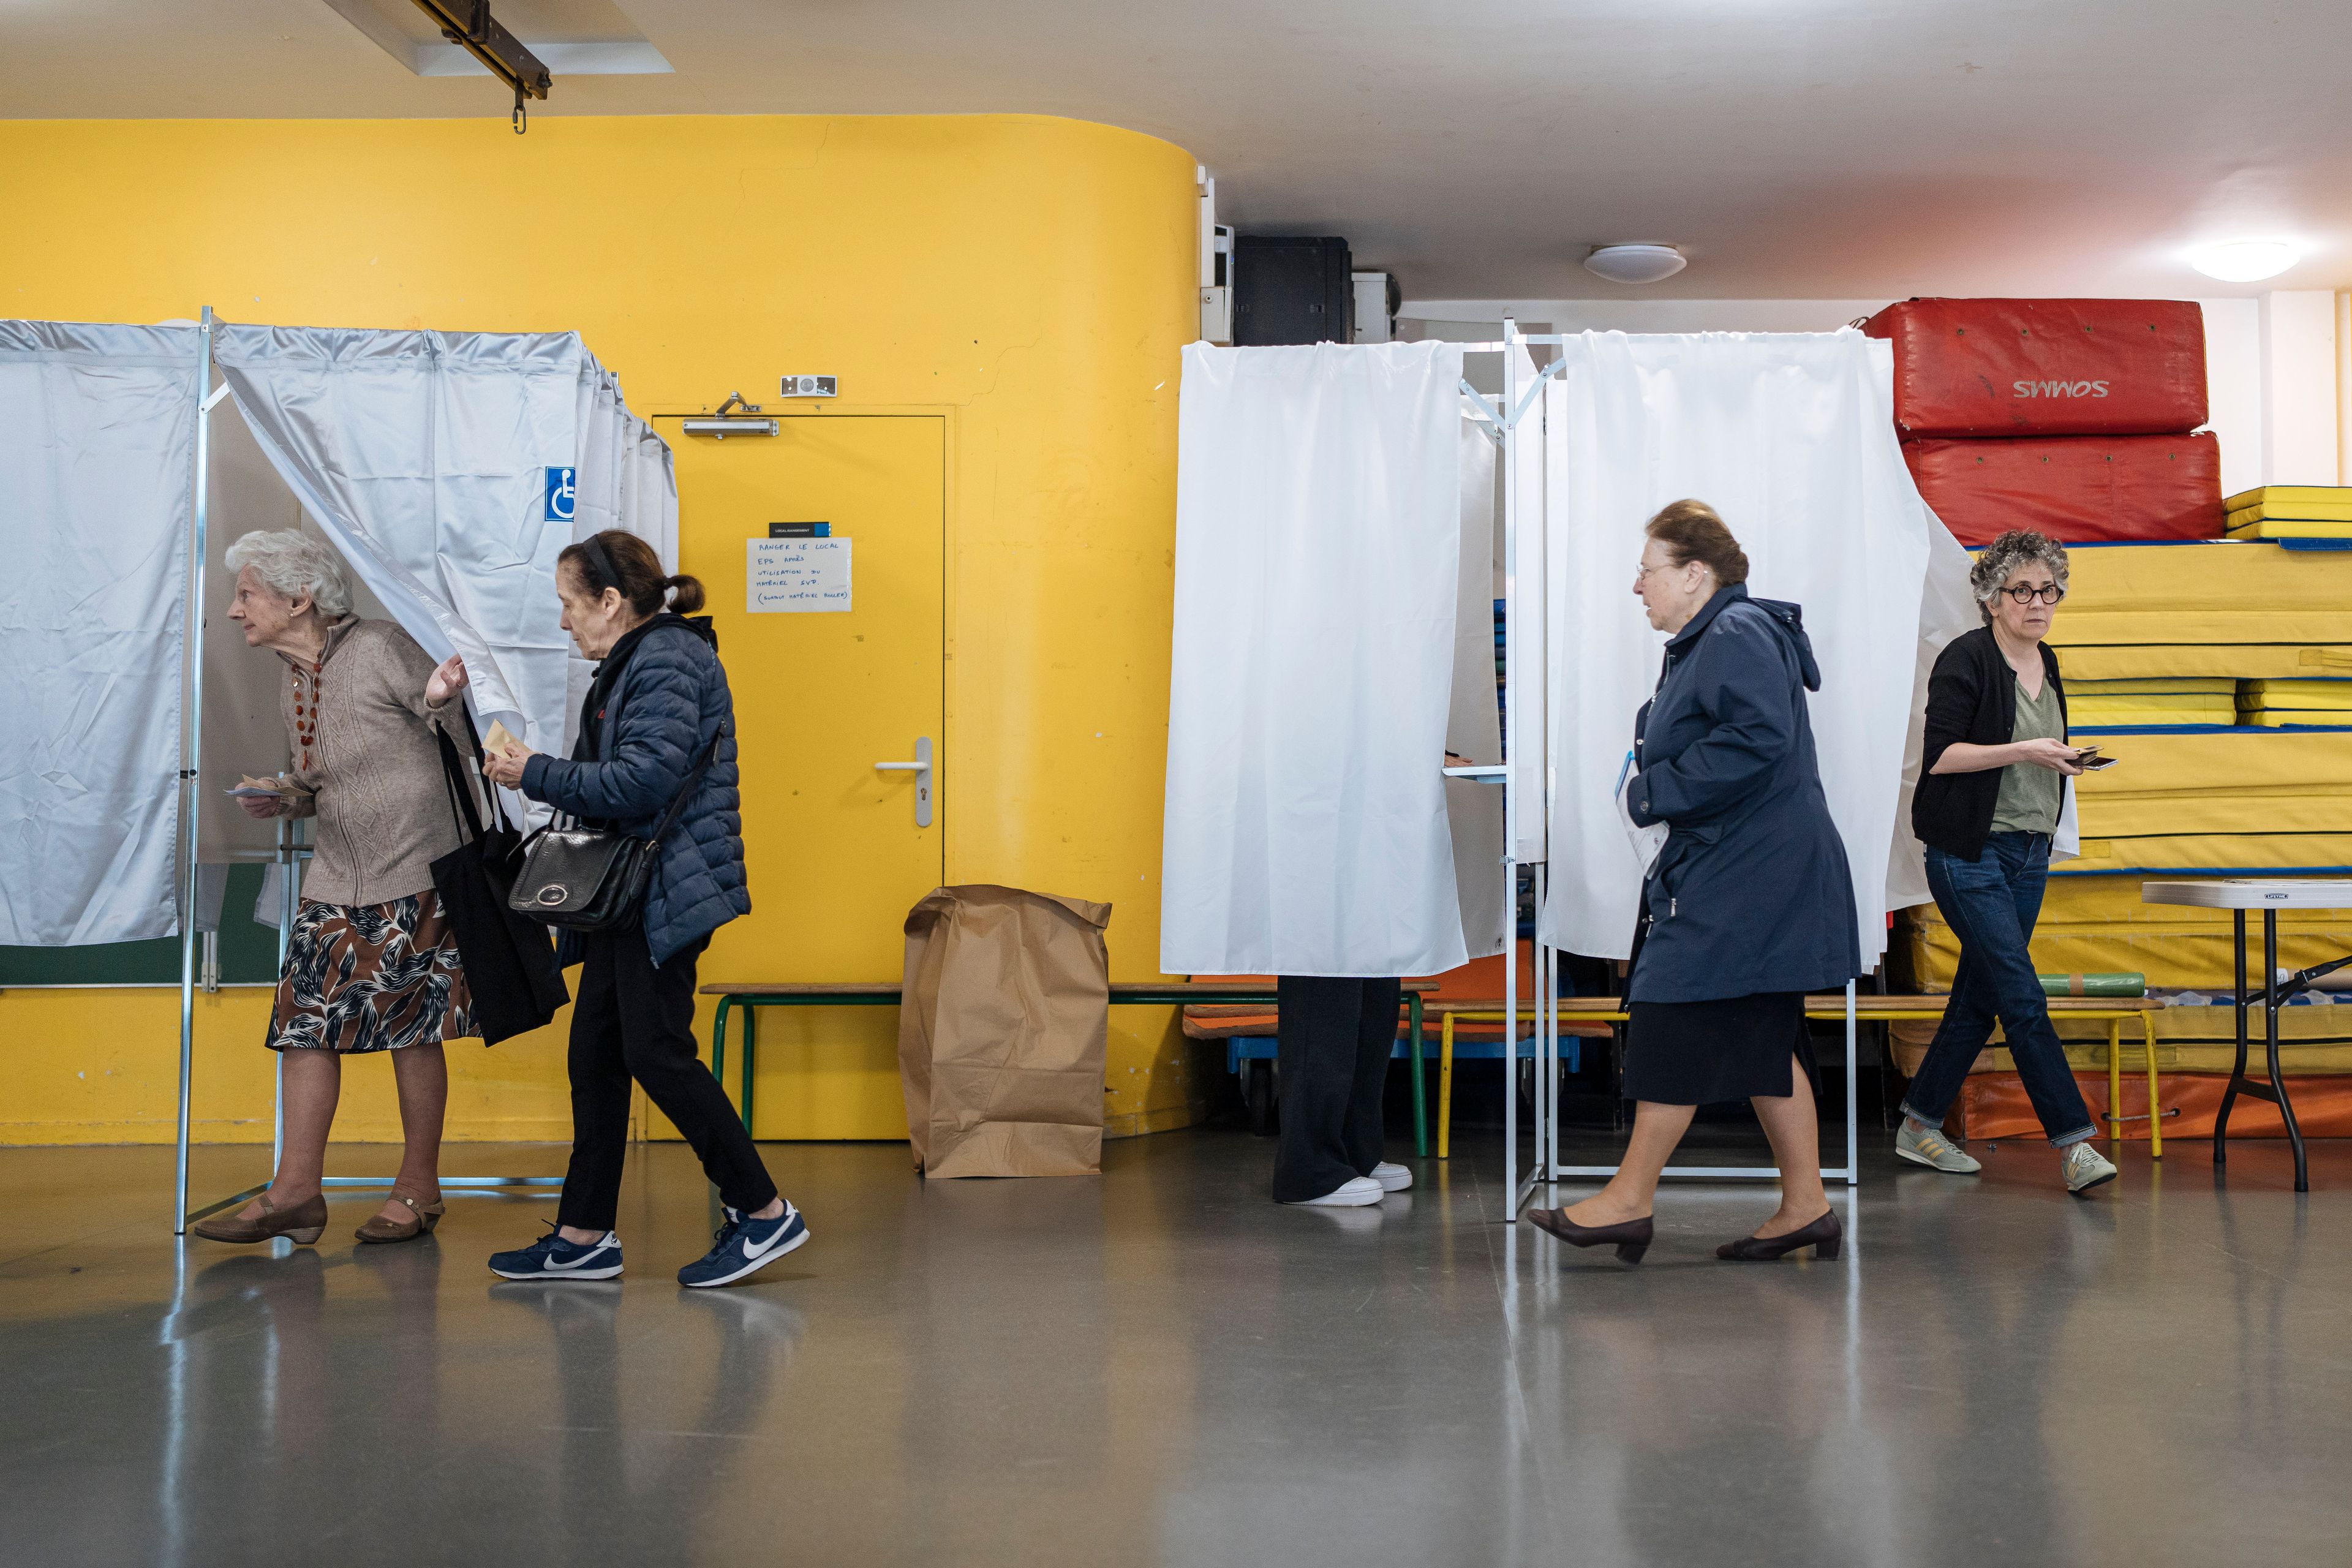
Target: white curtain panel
[96, 432]
[426, 456]
[1529, 666]
[1474, 730]
[1318, 520]
[1790, 436]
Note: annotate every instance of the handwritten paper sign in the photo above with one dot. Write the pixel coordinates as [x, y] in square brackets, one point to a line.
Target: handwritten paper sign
[803, 577]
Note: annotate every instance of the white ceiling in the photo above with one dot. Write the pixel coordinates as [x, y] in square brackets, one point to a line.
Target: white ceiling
[1793, 148]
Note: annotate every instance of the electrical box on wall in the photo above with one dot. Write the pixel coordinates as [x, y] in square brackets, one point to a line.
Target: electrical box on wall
[1217, 285]
[1378, 298]
[1291, 292]
[1216, 265]
[810, 386]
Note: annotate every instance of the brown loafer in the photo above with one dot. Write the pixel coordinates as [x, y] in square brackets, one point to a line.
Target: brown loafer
[304, 1222]
[421, 1218]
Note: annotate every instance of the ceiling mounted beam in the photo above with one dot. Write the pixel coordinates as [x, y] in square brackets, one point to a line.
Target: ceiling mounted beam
[469, 25]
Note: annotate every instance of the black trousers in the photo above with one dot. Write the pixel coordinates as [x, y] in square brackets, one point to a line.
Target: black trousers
[634, 1021]
[1334, 1040]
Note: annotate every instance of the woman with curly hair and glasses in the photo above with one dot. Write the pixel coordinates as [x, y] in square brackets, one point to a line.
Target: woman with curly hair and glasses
[1996, 764]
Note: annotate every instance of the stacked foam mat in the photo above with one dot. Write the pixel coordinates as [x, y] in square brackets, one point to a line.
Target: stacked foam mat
[2300, 517]
[2218, 674]
[2071, 416]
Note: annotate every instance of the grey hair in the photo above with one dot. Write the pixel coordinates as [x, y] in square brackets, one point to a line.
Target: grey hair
[293, 564]
[2001, 558]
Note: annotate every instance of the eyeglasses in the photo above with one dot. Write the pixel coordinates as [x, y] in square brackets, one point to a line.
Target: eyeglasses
[2025, 592]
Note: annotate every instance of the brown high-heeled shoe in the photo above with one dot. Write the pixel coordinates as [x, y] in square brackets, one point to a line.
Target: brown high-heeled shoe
[1824, 1236]
[422, 1218]
[304, 1222]
[1630, 1236]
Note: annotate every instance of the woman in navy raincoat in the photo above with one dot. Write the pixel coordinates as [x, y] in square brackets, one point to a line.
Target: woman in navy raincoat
[1747, 906]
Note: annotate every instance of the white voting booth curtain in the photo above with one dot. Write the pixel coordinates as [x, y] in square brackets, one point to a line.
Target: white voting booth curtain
[1790, 436]
[97, 434]
[1319, 519]
[450, 469]
[1474, 730]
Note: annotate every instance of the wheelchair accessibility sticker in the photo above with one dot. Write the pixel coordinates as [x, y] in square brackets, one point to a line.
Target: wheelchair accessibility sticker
[561, 493]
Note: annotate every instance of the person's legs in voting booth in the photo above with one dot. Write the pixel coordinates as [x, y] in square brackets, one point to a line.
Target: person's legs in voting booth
[1376, 1028]
[1991, 904]
[1333, 1048]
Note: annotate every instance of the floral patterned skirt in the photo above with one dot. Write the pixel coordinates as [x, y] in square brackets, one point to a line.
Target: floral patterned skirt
[372, 977]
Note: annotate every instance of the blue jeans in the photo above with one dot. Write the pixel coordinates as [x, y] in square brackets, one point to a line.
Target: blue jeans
[1990, 903]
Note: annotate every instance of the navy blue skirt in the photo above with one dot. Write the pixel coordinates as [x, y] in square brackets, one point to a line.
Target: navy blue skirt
[1703, 1053]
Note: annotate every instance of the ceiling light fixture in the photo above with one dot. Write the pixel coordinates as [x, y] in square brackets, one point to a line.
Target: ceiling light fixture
[1636, 263]
[2245, 260]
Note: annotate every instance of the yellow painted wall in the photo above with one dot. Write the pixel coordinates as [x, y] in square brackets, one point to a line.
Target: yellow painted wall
[1033, 276]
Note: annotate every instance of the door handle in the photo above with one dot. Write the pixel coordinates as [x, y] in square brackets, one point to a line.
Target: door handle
[921, 768]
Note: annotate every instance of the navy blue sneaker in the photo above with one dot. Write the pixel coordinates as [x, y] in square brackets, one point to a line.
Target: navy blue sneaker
[552, 1257]
[745, 1245]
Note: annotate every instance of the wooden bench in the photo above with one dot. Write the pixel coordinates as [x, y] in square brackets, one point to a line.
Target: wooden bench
[2115, 1011]
[1259, 995]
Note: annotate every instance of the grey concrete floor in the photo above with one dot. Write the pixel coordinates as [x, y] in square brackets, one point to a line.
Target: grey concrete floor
[1160, 1367]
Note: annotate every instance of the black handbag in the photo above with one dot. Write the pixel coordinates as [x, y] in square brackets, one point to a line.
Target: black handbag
[593, 878]
[510, 968]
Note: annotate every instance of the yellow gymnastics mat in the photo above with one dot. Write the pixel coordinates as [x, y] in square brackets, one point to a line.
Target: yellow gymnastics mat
[2283, 529]
[2232, 592]
[2251, 661]
[2273, 703]
[2142, 712]
[2314, 503]
[2229, 781]
[2092, 924]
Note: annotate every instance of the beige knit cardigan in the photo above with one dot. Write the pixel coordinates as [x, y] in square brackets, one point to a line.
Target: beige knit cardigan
[375, 780]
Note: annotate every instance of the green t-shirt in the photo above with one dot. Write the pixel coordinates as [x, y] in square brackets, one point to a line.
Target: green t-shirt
[2030, 795]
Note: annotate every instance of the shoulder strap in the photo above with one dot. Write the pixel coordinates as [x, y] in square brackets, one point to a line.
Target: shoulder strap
[686, 791]
[460, 788]
[489, 790]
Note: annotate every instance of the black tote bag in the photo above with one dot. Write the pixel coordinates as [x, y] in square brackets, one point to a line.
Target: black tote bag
[510, 965]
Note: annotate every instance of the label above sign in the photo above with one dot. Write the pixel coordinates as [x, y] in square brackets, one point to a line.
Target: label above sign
[799, 530]
[797, 576]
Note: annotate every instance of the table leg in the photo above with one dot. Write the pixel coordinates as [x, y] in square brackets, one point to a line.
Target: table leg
[2115, 1083]
[1445, 1088]
[2237, 1073]
[750, 1056]
[2155, 1112]
[1420, 1092]
[2270, 1046]
[718, 1042]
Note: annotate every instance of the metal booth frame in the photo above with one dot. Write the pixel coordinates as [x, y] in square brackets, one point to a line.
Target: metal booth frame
[1501, 420]
[289, 852]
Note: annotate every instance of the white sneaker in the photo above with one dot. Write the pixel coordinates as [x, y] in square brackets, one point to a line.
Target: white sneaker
[1352, 1194]
[1927, 1146]
[1392, 1177]
[2086, 1167]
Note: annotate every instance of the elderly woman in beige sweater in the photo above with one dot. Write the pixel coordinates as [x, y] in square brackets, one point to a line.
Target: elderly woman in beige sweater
[373, 963]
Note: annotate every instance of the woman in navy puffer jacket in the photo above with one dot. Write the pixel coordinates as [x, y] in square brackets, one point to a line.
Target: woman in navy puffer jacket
[658, 722]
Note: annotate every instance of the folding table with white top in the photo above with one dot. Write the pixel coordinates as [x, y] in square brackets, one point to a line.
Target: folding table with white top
[2270, 895]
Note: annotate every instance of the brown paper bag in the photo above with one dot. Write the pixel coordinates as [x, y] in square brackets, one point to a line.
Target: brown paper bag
[1001, 1031]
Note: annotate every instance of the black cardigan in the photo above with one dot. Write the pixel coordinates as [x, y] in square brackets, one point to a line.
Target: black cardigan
[1971, 697]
